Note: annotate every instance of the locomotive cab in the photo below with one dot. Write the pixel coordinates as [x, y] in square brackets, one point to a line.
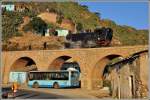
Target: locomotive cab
[104, 36]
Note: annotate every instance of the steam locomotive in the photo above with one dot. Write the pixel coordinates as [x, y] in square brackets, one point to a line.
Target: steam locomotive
[99, 38]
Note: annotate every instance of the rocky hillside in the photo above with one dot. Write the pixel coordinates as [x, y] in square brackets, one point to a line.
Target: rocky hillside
[67, 10]
[67, 15]
[52, 18]
[32, 41]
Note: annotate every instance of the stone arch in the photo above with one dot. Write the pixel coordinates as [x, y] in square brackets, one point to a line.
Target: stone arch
[59, 61]
[98, 69]
[23, 64]
[18, 70]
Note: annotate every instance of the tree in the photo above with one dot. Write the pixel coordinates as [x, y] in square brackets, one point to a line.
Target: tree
[11, 21]
[97, 14]
[59, 18]
[79, 27]
[85, 7]
[51, 26]
[37, 24]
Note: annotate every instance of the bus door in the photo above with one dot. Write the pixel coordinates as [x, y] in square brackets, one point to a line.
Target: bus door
[75, 78]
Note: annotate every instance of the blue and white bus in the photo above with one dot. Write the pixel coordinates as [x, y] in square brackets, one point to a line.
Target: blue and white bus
[55, 79]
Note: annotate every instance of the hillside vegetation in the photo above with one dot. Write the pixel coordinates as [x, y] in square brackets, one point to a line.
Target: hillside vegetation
[127, 35]
[79, 15]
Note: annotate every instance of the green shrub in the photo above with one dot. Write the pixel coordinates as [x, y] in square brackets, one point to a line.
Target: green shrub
[36, 24]
[79, 27]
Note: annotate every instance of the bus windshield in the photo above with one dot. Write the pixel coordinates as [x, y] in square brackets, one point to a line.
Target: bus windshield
[75, 74]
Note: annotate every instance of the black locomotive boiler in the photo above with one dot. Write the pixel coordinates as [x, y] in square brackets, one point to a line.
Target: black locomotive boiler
[99, 38]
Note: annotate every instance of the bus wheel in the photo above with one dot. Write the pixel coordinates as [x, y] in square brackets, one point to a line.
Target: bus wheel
[35, 85]
[56, 85]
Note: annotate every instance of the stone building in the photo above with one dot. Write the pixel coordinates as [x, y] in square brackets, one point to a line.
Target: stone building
[129, 77]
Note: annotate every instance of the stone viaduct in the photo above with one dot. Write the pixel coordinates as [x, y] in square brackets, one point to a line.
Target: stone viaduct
[92, 61]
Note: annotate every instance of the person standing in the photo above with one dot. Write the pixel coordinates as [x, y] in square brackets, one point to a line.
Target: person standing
[14, 88]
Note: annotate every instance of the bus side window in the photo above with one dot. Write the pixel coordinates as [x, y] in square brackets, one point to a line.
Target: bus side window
[44, 76]
[52, 76]
[58, 75]
[65, 76]
[41, 77]
[49, 76]
[30, 76]
[34, 77]
[38, 76]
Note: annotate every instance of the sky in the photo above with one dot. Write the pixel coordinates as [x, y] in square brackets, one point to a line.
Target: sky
[133, 14]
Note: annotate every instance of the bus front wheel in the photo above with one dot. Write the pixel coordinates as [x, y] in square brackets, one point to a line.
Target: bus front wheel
[56, 86]
[35, 85]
